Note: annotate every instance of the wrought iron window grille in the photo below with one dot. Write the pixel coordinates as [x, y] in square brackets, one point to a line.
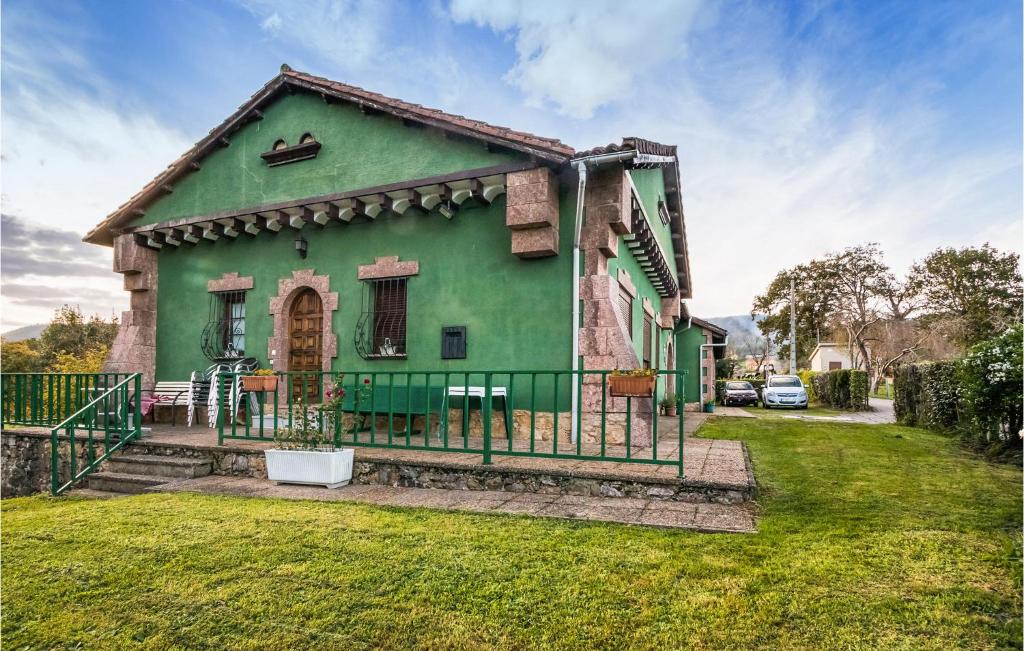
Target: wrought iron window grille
[381, 329]
[223, 338]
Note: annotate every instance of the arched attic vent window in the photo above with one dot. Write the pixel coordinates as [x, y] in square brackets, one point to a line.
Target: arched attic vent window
[281, 153]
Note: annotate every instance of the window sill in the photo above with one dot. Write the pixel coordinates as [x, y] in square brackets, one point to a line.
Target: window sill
[378, 356]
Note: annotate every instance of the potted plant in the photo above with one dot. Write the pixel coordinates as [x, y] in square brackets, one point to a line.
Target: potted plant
[635, 383]
[709, 407]
[305, 454]
[262, 380]
[668, 404]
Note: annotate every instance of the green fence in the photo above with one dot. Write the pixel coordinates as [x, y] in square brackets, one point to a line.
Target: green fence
[45, 399]
[490, 413]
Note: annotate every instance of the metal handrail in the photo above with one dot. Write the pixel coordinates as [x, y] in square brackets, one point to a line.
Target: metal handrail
[88, 411]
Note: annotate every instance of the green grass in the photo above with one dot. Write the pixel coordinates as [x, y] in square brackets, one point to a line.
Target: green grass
[870, 537]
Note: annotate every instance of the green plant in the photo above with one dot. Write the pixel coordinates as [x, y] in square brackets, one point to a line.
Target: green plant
[991, 376]
[807, 377]
[670, 400]
[306, 432]
[634, 372]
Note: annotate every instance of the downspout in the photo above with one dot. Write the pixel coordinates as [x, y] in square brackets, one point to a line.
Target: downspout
[581, 165]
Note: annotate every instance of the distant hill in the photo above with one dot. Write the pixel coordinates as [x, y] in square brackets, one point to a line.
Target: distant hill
[25, 332]
[737, 324]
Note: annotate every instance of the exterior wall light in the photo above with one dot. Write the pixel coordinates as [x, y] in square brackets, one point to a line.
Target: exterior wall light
[447, 208]
[301, 246]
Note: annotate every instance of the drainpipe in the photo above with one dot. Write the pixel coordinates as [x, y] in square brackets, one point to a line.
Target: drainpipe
[581, 165]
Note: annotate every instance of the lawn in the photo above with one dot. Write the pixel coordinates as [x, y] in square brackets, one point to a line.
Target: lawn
[870, 536]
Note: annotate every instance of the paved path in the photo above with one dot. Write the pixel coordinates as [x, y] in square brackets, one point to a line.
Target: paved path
[732, 412]
[882, 413]
[720, 518]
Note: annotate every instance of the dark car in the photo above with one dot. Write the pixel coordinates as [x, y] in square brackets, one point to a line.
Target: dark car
[739, 393]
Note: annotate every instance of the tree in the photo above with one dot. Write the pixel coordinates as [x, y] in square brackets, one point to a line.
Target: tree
[814, 307]
[71, 334]
[758, 349]
[979, 289]
[851, 297]
[19, 357]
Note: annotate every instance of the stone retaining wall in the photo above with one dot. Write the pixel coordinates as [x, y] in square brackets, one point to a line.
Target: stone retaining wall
[26, 460]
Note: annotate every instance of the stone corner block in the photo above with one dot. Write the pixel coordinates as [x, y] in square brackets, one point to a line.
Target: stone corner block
[535, 242]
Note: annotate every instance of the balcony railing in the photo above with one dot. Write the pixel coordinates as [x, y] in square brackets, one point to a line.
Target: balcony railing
[489, 413]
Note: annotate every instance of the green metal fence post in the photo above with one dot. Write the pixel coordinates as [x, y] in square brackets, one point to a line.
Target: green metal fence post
[488, 379]
[681, 406]
[138, 405]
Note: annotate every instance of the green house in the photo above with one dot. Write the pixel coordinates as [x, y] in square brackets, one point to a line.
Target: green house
[324, 228]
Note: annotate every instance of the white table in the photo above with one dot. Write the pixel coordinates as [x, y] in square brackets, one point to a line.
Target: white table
[467, 392]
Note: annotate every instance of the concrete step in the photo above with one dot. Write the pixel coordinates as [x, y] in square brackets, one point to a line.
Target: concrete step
[160, 466]
[119, 482]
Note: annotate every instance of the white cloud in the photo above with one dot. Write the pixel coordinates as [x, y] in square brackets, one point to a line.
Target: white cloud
[347, 32]
[581, 57]
[73, 150]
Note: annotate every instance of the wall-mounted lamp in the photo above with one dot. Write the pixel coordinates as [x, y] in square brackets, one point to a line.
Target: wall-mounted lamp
[447, 208]
[301, 246]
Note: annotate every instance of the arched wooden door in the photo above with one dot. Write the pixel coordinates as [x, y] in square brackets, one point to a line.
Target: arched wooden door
[305, 345]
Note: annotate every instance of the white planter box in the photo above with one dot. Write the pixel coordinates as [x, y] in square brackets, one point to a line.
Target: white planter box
[330, 468]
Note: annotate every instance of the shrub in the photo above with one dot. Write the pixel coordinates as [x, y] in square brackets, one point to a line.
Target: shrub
[939, 399]
[991, 377]
[979, 396]
[840, 389]
[807, 377]
[859, 386]
[907, 387]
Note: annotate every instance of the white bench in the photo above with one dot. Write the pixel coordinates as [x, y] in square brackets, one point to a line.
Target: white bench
[170, 394]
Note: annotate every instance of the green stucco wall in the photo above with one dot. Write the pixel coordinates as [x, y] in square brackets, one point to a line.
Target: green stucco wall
[358, 151]
[516, 311]
[688, 355]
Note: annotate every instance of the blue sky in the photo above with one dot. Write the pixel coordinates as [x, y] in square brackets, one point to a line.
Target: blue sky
[802, 127]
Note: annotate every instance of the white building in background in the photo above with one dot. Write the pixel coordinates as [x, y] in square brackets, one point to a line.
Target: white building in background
[829, 357]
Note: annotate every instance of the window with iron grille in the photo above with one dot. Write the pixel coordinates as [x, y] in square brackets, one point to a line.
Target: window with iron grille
[648, 334]
[223, 337]
[626, 309]
[381, 331]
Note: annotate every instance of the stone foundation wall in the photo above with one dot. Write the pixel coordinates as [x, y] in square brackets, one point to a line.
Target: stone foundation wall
[26, 470]
[25, 462]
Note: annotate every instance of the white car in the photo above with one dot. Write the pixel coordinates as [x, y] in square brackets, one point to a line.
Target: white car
[784, 391]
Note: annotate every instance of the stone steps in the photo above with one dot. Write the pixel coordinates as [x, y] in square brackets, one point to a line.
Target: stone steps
[119, 482]
[138, 473]
[160, 466]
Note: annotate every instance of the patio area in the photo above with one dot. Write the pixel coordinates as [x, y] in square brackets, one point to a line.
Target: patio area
[710, 462]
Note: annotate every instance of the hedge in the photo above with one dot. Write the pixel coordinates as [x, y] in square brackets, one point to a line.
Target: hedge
[841, 389]
[979, 396]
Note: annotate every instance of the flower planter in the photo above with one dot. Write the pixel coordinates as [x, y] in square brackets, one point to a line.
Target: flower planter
[329, 468]
[670, 411]
[261, 383]
[631, 386]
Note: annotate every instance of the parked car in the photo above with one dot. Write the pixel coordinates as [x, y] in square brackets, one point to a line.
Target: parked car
[739, 393]
[784, 391]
